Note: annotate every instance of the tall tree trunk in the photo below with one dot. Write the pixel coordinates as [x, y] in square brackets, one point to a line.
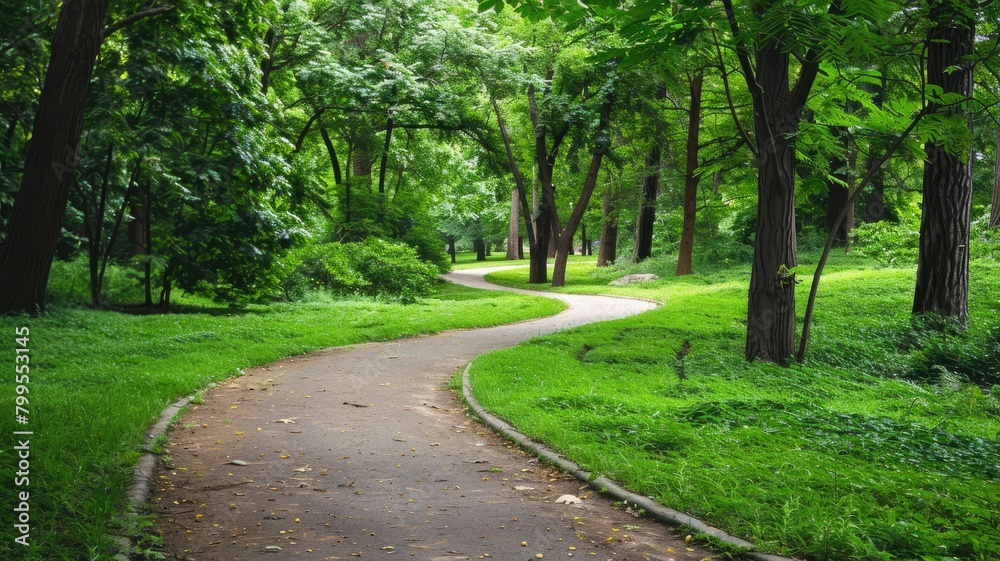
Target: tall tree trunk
[607, 247]
[538, 270]
[35, 224]
[479, 245]
[513, 233]
[777, 111]
[565, 247]
[267, 65]
[691, 179]
[384, 165]
[995, 209]
[942, 286]
[646, 219]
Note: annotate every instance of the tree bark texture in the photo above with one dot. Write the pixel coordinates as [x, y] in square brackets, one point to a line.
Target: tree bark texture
[942, 285]
[691, 179]
[35, 223]
[513, 233]
[771, 301]
[646, 219]
[607, 247]
[479, 244]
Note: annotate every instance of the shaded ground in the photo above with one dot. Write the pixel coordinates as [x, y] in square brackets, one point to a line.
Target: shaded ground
[361, 452]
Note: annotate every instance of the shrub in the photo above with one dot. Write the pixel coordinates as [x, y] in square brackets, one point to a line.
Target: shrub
[888, 243]
[374, 267]
[938, 348]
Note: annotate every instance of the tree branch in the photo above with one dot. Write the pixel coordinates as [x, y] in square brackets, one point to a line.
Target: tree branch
[807, 321]
[729, 98]
[742, 52]
[136, 17]
[810, 66]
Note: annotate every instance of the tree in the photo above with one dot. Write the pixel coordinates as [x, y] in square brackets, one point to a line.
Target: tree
[777, 111]
[942, 284]
[35, 223]
[691, 177]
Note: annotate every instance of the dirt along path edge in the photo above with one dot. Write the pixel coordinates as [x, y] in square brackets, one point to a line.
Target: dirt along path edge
[355, 499]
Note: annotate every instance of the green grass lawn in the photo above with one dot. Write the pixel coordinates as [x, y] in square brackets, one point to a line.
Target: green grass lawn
[877, 447]
[99, 379]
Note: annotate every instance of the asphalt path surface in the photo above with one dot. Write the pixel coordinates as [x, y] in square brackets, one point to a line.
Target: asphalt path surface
[362, 452]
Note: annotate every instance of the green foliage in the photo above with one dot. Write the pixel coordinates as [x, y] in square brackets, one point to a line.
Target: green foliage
[889, 243]
[940, 351]
[374, 268]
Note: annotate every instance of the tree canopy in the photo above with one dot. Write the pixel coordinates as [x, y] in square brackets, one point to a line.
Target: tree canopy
[209, 150]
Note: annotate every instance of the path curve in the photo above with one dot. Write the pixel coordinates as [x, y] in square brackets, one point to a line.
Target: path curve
[361, 452]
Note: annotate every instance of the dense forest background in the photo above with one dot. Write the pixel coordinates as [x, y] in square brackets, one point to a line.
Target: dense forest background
[258, 150]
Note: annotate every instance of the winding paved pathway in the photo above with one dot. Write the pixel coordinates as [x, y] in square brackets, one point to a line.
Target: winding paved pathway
[361, 452]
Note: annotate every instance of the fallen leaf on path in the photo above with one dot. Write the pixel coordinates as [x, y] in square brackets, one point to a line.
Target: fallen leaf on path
[287, 421]
[237, 462]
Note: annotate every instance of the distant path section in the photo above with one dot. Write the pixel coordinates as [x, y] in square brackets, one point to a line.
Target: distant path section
[362, 452]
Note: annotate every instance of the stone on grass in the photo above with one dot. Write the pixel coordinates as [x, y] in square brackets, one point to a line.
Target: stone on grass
[633, 279]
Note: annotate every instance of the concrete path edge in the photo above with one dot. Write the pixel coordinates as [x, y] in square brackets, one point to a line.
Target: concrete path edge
[604, 485]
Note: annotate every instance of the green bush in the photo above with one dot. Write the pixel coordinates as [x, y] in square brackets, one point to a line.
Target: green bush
[937, 352]
[374, 268]
[984, 241]
[889, 243]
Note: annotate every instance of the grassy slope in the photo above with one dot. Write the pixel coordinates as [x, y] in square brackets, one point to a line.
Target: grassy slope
[99, 379]
[839, 458]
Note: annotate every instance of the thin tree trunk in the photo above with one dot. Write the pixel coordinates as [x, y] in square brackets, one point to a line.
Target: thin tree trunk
[646, 219]
[607, 247]
[995, 209]
[942, 286]
[691, 179]
[117, 225]
[96, 232]
[35, 224]
[513, 233]
[270, 45]
[385, 156]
